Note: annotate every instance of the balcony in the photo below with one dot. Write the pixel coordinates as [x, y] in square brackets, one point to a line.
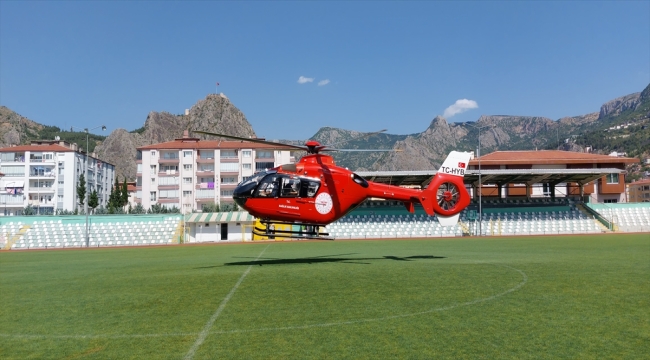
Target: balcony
[168, 173]
[36, 203]
[205, 160]
[205, 186]
[40, 188]
[168, 187]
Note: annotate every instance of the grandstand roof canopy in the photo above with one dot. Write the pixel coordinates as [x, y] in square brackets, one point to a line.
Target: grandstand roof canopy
[233, 216]
[548, 157]
[500, 176]
[545, 171]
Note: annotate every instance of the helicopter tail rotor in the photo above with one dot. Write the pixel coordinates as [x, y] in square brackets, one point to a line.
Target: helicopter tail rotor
[446, 195]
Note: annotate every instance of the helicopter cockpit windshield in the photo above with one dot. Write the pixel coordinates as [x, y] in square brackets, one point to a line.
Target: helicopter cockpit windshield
[271, 184]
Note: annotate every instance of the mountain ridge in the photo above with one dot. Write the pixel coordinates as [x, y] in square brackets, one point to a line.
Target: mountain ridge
[423, 150]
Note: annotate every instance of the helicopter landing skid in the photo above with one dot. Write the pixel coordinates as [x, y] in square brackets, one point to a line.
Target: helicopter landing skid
[310, 233]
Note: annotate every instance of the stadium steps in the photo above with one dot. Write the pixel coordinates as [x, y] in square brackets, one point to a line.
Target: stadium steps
[17, 236]
[603, 223]
[177, 234]
[465, 228]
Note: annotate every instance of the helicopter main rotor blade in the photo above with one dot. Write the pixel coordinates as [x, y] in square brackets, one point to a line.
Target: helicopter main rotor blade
[297, 147]
[368, 150]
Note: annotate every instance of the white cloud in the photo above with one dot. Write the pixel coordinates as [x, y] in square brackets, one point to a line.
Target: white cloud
[459, 106]
[323, 82]
[304, 80]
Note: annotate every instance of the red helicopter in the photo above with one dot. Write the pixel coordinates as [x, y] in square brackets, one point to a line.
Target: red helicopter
[315, 191]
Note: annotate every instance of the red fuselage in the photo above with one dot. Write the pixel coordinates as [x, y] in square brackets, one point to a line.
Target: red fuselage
[316, 191]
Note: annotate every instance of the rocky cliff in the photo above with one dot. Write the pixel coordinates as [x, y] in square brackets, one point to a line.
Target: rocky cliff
[15, 129]
[619, 105]
[215, 113]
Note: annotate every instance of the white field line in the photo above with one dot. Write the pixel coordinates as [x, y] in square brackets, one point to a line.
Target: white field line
[206, 329]
[297, 327]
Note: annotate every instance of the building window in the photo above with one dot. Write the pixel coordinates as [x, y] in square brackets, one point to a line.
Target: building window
[187, 180]
[264, 154]
[246, 166]
[152, 196]
[187, 167]
[187, 153]
[229, 154]
[152, 170]
[170, 155]
[246, 153]
[187, 193]
[168, 180]
[172, 169]
[229, 180]
[229, 167]
[261, 166]
[166, 194]
[612, 178]
[611, 201]
[206, 154]
[227, 192]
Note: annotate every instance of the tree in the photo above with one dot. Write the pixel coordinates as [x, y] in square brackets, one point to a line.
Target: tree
[93, 200]
[138, 209]
[124, 194]
[81, 190]
[210, 207]
[115, 199]
[29, 210]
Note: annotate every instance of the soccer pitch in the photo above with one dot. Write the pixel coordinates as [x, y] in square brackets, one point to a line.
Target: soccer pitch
[515, 297]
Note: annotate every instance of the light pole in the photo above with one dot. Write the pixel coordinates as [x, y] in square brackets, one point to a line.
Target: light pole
[480, 184]
[86, 178]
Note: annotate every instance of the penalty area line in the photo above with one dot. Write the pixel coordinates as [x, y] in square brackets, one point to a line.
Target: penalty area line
[206, 329]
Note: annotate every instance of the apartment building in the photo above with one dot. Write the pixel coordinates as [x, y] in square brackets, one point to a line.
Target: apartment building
[45, 175]
[187, 173]
[639, 191]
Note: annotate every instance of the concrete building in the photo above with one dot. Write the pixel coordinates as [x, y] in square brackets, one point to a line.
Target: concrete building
[45, 175]
[639, 191]
[188, 173]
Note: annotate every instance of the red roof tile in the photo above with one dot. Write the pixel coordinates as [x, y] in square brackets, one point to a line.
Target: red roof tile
[547, 157]
[210, 144]
[48, 147]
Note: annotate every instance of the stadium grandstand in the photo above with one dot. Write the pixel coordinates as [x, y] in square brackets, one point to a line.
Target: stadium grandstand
[513, 193]
[44, 232]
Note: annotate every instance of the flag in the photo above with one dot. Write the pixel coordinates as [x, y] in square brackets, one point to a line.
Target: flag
[217, 84]
[461, 165]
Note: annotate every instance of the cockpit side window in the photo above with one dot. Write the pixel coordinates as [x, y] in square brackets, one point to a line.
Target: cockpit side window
[269, 186]
[309, 188]
[290, 187]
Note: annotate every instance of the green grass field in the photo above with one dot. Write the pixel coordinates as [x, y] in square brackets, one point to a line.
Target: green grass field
[529, 297]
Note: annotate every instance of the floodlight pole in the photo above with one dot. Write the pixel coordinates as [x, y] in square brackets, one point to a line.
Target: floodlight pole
[480, 187]
[86, 179]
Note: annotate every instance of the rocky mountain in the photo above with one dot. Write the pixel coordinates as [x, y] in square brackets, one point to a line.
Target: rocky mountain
[427, 150]
[622, 124]
[15, 128]
[215, 113]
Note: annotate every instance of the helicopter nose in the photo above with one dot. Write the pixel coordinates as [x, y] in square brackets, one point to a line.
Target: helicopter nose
[243, 192]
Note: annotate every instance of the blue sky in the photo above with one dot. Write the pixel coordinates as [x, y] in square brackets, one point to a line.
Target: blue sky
[372, 65]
